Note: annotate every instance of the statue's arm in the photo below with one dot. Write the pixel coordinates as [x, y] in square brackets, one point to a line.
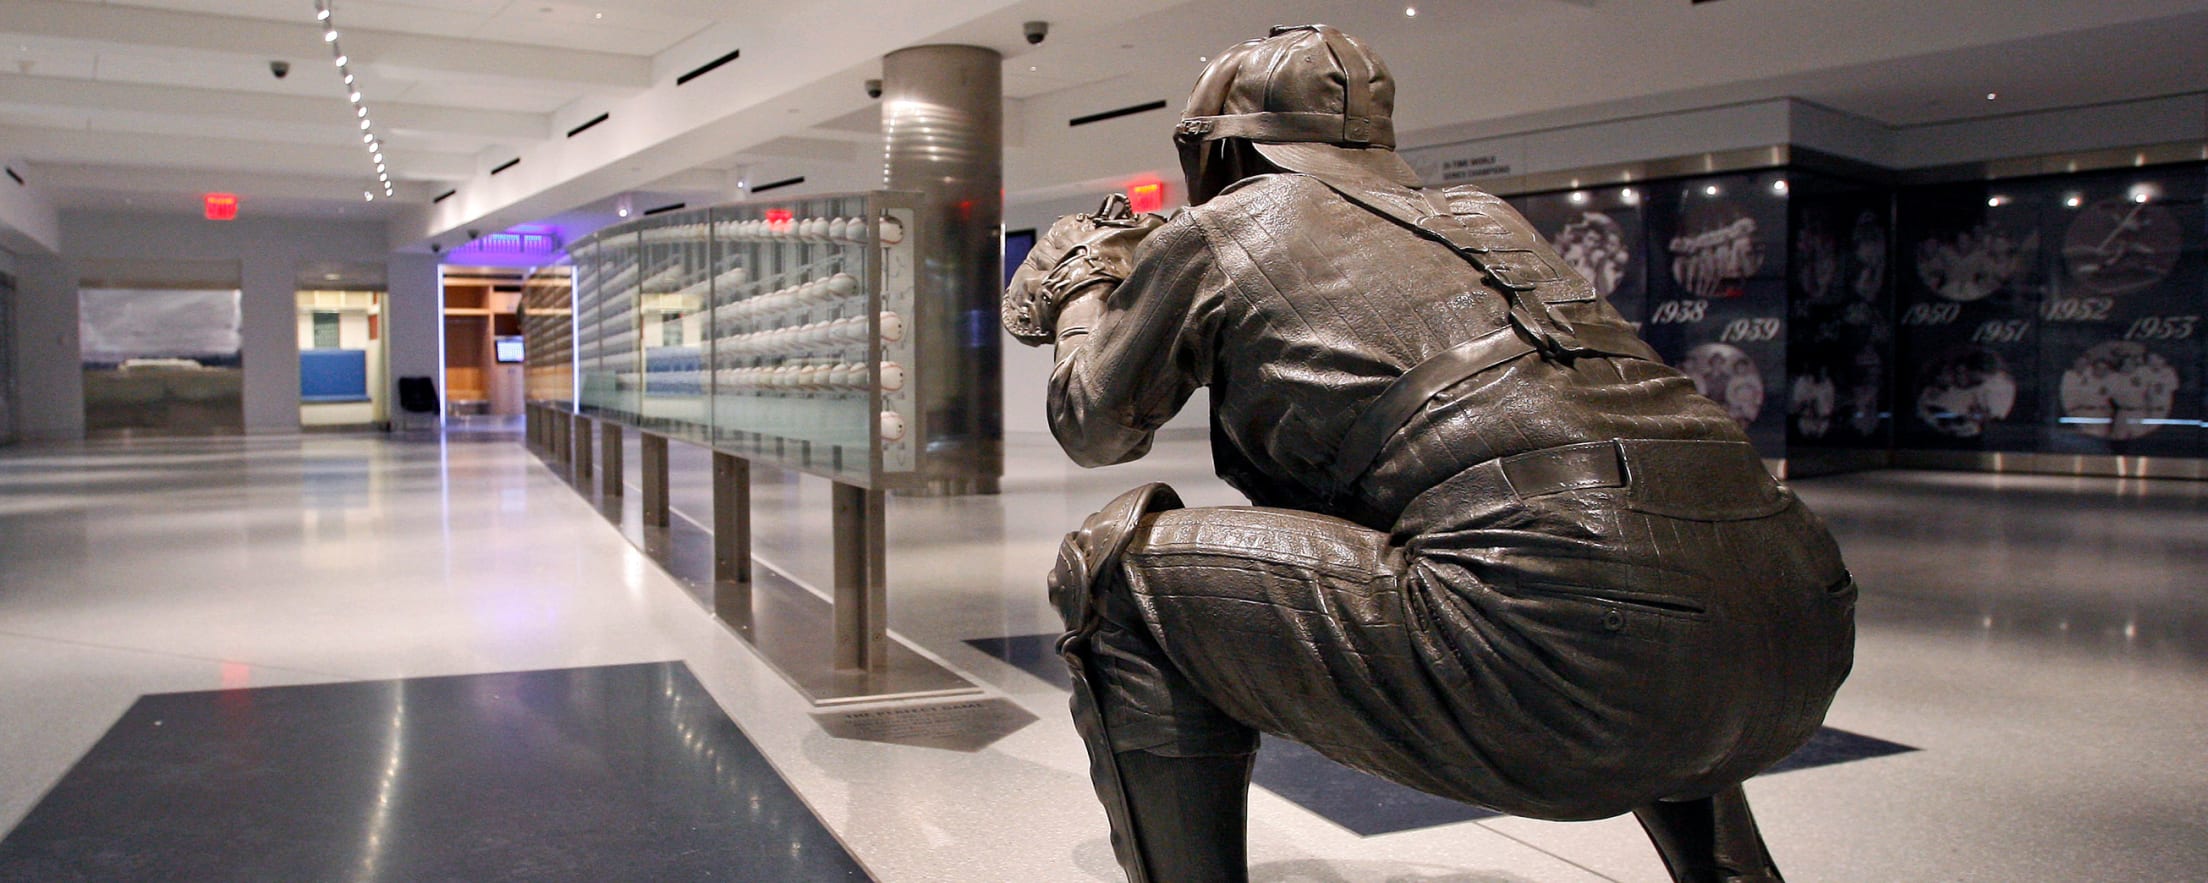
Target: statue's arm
[1129, 356]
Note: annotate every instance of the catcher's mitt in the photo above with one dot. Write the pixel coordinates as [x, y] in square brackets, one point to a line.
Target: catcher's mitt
[1077, 252]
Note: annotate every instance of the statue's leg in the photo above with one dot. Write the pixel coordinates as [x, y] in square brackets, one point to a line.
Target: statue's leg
[1709, 840]
[1171, 769]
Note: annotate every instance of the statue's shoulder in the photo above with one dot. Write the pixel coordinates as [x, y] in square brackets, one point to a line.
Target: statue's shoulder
[1258, 199]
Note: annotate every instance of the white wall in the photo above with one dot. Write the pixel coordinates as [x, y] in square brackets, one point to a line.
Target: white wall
[28, 223]
[413, 313]
[2097, 127]
[267, 253]
[49, 378]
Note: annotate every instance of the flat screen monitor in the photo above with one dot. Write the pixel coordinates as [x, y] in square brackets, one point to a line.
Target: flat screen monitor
[508, 349]
[1017, 244]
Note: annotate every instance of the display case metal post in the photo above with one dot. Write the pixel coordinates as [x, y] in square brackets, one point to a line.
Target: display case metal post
[652, 448]
[732, 539]
[557, 435]
[609, 465]
[580, 463]
[861, 597]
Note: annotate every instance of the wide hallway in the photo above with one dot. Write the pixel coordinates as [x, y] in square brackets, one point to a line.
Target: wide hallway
[353, 657]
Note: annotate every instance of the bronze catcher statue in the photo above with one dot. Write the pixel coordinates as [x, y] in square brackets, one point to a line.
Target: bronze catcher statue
[1499, 551]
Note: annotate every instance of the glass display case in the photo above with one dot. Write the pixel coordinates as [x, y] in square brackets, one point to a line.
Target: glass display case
[776, 332]
[548, 336]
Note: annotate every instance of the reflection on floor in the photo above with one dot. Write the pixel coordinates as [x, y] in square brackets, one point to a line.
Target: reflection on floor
[2042, 641]
[625, 772]
[1370, 805]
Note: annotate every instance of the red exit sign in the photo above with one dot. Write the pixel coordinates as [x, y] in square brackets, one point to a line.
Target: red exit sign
[1146, 197]
[222, 206]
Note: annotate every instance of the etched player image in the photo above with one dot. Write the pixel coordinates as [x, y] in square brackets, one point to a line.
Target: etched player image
[2118, 390]
[1863, 412]
[1595, 245]
[1814, 399]
[1724, 374]
[1869, 247]
[1716, 250]
[1965, 389]
[1816, 258]
[2117, 246]
[1976, 262]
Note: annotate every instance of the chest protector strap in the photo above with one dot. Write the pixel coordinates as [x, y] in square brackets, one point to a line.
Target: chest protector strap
[1517, 264]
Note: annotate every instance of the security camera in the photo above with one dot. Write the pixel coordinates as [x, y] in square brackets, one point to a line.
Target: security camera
[281, 69]
[873, 88]
[436, 248]
[474, 234]
[1035, 31]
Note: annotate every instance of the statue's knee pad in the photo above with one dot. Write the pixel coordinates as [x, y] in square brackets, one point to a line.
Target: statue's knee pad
[1088, 556]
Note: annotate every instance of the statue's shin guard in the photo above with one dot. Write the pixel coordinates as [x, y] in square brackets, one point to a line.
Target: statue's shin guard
[1104, 772]
[1173, 819]
[1709, 840]
[1177, 792]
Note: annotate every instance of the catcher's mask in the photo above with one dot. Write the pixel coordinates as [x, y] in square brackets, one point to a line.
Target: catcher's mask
[1308, 98]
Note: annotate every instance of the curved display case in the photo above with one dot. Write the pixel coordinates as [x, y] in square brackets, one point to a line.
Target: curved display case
[773, 333]
[780, 333]
[548, 333]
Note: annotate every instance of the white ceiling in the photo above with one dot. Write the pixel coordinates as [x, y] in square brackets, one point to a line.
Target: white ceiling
[148, 103]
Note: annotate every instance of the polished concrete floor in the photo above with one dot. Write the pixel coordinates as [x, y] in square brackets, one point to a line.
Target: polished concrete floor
[2041, 644]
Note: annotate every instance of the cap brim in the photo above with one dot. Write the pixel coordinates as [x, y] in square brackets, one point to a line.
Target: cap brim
[1333, 160]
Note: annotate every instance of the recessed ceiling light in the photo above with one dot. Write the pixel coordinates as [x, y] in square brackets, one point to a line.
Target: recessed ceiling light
[367, 195]
[341, 60]
[597, 16]
[1410, 12]
[1990, 96]
[1031, 68]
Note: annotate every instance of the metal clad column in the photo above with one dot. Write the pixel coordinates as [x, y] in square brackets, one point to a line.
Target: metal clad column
[943, 124]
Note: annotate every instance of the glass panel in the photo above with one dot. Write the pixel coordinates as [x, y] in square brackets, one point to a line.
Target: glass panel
[775, 331]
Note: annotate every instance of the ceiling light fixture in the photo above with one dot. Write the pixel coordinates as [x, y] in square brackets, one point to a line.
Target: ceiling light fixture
[343, 62]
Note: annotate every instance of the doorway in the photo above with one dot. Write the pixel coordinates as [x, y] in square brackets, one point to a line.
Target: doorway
[482, 341]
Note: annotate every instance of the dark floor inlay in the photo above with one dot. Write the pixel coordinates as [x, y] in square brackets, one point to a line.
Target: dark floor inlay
[1370, 805]
[626, 772]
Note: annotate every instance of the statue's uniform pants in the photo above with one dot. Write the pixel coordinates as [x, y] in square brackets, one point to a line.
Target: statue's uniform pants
[1565, 634]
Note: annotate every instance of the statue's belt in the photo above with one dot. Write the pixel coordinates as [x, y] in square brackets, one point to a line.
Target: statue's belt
[1698, 480]
[1408, 393]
